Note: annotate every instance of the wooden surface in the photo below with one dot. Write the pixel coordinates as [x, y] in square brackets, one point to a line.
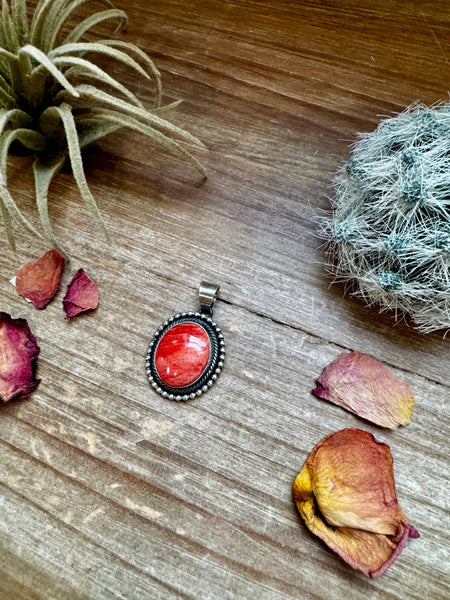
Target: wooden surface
[108, 491]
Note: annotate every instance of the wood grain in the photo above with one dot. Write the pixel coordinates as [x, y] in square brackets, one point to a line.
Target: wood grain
[108, 491]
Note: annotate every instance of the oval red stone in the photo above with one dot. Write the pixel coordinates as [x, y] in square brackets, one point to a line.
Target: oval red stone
[182, 354]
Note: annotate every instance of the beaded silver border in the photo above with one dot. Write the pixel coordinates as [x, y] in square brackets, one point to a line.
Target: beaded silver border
[211, 371]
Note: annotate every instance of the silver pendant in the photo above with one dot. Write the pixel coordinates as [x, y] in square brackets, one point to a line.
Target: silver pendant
[186, 354]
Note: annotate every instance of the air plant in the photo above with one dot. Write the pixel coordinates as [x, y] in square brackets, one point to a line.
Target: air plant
[54, 100]
[389, 230]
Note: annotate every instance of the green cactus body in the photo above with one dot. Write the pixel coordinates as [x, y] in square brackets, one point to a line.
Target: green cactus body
[389, 230]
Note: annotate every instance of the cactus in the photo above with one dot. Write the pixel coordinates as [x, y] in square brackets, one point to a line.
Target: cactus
[388, 233]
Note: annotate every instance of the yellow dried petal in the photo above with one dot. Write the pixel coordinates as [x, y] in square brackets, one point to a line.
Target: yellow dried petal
[346, 495]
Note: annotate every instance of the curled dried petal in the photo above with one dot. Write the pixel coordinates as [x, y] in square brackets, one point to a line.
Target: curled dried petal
[18, 356]
[82, 295]
[362, 385]
[38, 281]
[346, 495]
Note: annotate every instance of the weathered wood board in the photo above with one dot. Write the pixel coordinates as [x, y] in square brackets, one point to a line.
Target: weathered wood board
[108, 490]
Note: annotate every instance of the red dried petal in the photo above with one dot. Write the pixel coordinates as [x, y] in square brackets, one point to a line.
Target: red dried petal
[82, 295]
[346, 495]
[362, 385]
[18, 356]
[38, 281]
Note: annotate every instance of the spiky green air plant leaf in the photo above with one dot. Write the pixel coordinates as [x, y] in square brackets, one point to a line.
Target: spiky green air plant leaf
[54, 100]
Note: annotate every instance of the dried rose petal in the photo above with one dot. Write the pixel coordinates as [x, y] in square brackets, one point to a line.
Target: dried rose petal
[18, 355]
[346, 495]
[82, 295]
[367, 388]
[38, 281]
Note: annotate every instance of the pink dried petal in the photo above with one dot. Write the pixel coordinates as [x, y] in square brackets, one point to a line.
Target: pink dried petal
[18, 356]
[38, 281]
[82, 295]
[362, 385]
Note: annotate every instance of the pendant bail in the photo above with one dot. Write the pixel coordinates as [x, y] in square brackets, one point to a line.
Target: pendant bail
[207, 295]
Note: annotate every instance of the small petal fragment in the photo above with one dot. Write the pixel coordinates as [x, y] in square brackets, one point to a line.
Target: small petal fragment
[38, 281]
[82, 295]
[18, 356]
[362, 385]
[346, 495]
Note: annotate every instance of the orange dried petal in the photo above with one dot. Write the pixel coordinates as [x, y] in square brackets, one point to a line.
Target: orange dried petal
[18, 356]
[82, 295]
[362, 385]
[38, 281]
[346, 495]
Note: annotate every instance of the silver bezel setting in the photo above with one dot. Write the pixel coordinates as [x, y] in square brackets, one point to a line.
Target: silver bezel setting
[210, 372]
